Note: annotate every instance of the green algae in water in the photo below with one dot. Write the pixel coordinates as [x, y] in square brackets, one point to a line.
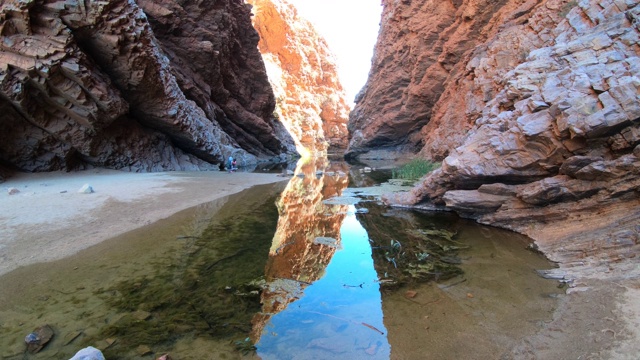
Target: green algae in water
[212, 288]
[406, 252]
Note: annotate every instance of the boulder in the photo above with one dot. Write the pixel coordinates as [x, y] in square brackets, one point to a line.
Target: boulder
[473, 201]
[574, 164]
[554, 190]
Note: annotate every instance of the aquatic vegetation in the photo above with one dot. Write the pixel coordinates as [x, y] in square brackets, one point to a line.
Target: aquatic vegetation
[406, 250]
[414, 169]
[199, 291]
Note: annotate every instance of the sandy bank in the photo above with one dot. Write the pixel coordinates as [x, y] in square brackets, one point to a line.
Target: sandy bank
[49, 219]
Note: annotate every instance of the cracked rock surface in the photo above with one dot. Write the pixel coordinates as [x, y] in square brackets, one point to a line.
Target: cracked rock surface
[144, 86]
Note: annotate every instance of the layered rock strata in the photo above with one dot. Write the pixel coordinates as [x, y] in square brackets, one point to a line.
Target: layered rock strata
[310, 99]
[534, 107]
[421, 46]
[161, 86]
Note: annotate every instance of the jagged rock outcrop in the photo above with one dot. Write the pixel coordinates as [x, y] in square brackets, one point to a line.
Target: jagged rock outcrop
[157, 86]
[310, 99]
[534, 107]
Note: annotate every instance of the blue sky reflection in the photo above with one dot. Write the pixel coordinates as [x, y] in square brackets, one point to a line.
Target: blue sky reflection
[340, 315]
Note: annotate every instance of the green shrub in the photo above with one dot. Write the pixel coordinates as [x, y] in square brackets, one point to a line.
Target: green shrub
[415, 169]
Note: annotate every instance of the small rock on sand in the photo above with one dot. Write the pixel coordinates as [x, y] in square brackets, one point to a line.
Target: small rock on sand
[86, 189]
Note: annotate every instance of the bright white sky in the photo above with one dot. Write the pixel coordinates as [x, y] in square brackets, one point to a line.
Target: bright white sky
[351, 29]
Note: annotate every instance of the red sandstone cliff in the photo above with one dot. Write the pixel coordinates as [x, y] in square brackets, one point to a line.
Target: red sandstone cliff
[310, 99]
[160, 85]
[534, 107]
[421, 48]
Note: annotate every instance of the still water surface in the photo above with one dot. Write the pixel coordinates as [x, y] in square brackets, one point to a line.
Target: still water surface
[305, 269]
[340, 314]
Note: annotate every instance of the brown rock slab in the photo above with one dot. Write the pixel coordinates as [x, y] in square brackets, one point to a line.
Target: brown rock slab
[143, 350]
[71, 336]
[474, 201]
[39, 338]
[106, 343]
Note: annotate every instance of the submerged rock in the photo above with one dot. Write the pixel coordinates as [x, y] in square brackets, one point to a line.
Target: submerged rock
[143, 350]
[39, 338]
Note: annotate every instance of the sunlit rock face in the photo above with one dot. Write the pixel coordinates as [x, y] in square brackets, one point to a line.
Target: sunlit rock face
[534, 108]
[306, 238]
[310, 99]
[421, 45]
[144, 86]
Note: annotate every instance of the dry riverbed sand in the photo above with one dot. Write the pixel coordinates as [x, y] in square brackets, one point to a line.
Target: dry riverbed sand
[48, 219]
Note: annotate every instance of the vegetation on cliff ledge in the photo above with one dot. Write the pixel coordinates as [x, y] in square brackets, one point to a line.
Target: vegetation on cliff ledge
[415, 169]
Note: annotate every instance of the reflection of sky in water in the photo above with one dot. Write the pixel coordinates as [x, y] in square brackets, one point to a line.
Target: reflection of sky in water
[340, 315]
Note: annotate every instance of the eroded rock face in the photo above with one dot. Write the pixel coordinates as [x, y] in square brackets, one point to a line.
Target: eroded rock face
[421, 45]
[160, 86]
[537, 122]
[310, 99]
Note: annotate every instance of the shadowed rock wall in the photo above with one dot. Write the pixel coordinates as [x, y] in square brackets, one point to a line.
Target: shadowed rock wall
[156, 86]
[533, 106]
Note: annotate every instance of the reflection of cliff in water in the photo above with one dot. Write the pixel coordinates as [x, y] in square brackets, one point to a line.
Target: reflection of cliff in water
[306, 238]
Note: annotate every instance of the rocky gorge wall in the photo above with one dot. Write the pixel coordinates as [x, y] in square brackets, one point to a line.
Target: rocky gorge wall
[143, 86]
[310, 100]
[533, 107]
